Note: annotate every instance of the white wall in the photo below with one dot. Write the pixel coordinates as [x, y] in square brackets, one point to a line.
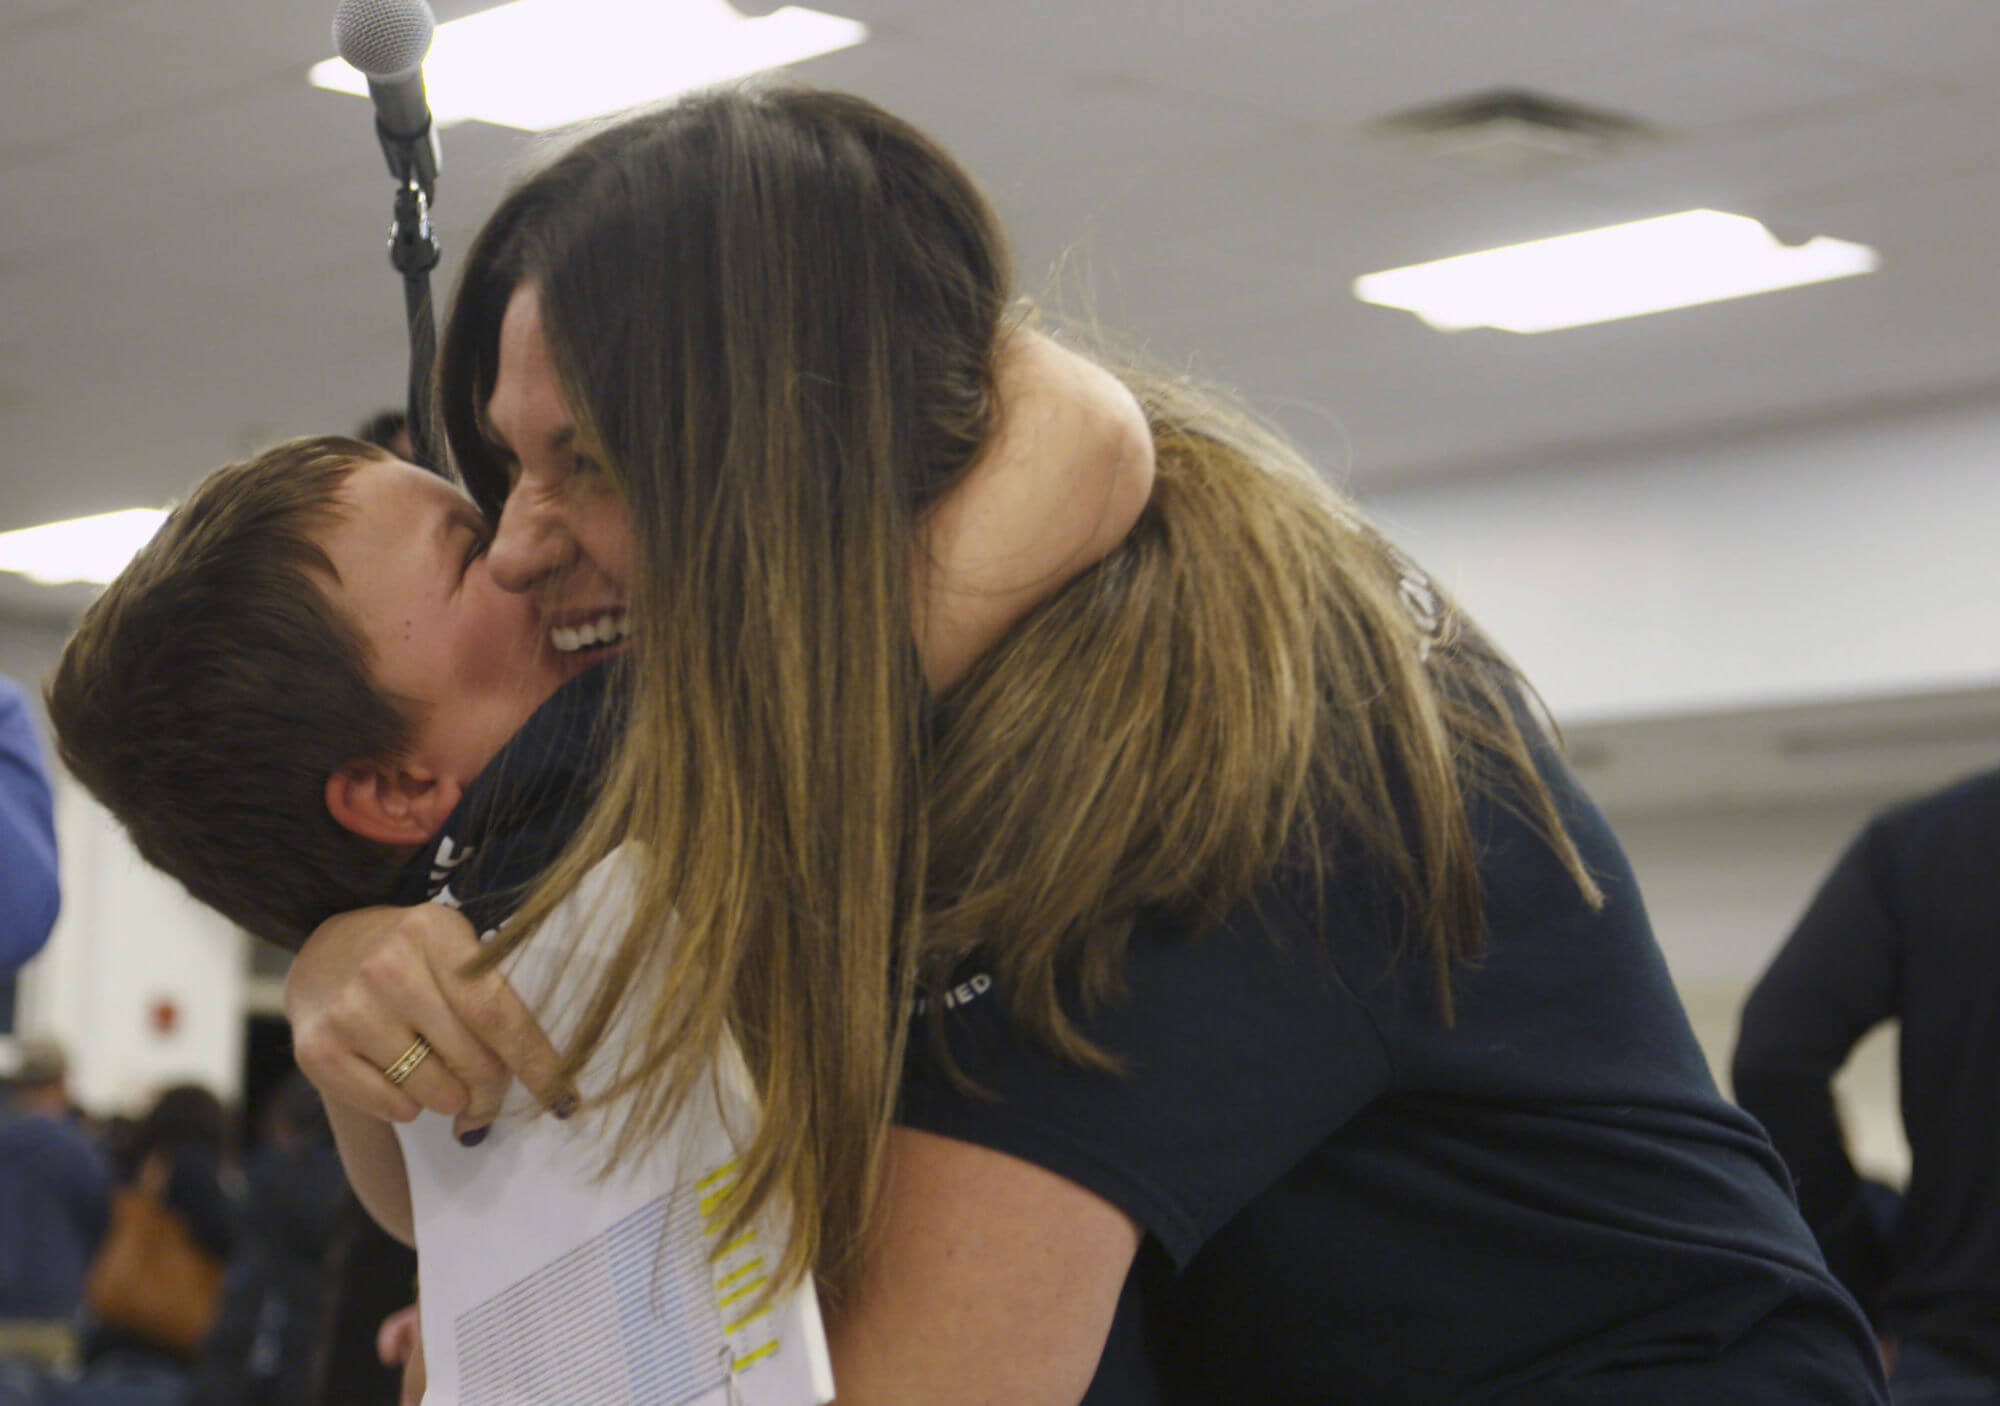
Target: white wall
[128, 940]
[1847, 561]
[129, 945]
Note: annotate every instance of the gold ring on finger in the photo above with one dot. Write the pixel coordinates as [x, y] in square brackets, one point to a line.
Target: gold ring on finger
[407, 1062]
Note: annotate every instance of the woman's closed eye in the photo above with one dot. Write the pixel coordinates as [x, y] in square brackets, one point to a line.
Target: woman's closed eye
[559, 470]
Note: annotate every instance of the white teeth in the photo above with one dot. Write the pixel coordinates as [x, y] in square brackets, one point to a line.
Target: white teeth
[608, 628]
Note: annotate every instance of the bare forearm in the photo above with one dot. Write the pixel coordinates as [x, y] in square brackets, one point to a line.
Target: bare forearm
[1062, 483]
[989, 1280]
[373, 1160]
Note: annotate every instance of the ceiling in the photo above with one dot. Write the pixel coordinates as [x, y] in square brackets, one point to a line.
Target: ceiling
[191, 254]
[191, 238]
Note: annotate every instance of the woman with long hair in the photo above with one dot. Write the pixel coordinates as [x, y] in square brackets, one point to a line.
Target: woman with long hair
[1217, 989]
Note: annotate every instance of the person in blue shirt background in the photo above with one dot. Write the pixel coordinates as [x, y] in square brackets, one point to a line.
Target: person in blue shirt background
[29, 896]
[55, 1189]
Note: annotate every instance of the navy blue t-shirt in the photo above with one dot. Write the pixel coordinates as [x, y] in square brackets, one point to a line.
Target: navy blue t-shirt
[1343, 1198]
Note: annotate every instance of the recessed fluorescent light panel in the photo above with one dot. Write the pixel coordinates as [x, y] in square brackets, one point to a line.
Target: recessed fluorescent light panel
[1674, 261]
[82, 549]
[545, 63]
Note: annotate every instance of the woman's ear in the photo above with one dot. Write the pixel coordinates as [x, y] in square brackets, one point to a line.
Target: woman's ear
[391, 803]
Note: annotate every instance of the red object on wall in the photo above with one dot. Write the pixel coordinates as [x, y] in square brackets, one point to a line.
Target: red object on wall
[165, 1015]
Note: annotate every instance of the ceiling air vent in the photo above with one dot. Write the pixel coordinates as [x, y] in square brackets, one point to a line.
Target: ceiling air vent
[1508, 129]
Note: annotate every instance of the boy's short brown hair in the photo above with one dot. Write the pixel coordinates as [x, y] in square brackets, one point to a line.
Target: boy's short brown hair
[210, 692]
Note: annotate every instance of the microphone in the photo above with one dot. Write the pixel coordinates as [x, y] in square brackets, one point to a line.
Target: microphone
[387, 40]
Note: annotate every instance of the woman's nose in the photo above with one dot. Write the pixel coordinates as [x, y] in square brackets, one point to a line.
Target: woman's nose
[531, 544]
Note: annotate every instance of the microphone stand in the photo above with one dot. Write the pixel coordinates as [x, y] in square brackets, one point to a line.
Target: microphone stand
[414, 251]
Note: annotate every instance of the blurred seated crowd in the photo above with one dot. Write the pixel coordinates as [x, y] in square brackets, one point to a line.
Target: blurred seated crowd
[152, 1261]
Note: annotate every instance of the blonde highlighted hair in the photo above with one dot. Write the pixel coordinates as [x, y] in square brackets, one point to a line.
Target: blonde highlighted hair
[776, 311]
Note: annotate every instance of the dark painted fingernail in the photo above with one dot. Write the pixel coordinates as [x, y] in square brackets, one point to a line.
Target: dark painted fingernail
[472, 1137]
[563, 1106]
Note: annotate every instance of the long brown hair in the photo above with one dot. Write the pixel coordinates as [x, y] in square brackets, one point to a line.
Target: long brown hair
[776, 312]
[1256, 676]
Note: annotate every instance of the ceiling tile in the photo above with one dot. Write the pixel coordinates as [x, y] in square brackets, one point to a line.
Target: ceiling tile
[1707, 82]
[67, 82]
[1955, 39]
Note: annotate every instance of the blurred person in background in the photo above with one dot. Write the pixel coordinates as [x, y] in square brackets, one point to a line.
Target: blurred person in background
[276, 1304]
[55, 1189]
[29, 896]
[1904, 928]
[390, 430]
[178, 1150]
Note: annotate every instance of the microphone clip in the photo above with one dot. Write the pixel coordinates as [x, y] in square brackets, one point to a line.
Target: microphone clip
[413, 156]
[413, 241]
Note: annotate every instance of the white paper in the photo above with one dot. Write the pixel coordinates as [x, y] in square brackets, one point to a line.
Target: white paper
[544, 1284]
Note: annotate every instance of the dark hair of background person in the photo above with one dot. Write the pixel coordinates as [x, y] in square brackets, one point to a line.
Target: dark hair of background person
[384, 428]
[185, 1117]
[295, 1275]
[186, 1132]
[209, 693]
[390, 430]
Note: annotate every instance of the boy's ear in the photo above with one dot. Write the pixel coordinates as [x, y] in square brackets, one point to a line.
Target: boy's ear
[392, 803]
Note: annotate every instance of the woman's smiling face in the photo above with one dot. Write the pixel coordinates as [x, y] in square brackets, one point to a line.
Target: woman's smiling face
[565, 536]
